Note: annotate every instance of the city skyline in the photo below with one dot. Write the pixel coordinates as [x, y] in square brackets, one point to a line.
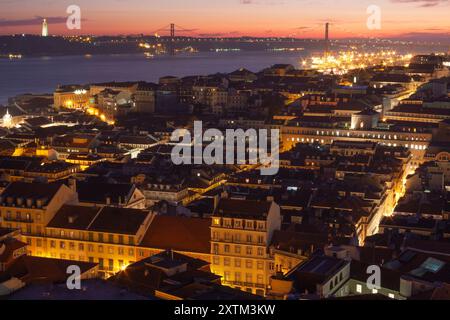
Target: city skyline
[401, 19]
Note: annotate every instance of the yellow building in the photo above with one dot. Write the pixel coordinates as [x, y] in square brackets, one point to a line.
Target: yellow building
[29, 207]
[104, 235]
[241, 234]
[73, 97]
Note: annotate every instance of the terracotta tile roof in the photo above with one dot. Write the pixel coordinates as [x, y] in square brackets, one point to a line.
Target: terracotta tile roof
[101, 219]
[119, 220]
[95, 192]
[179, 233]
[34, 190]
[243, 208]
[37, 269]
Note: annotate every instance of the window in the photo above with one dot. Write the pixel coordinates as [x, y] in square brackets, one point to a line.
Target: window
[227, 276]
[81, 247]
[111, 264]
[249, 238]
[237, 263]
[237, 249]
[110, 250]
[237, 277]
[120, 251]
[260, 265]
[249, 250]
[359, 288]
[226, 262]
[260, 279]
[260, 239]
[227, 223]
[227, 249]
[100, 237]
[216, 260]
[100, 249]
[131, 252]
[131, 240]
[260, 251]
[121, 239]
[62, 245]
[111, 238]
[52, 244]
[71, 246]
[249, 264]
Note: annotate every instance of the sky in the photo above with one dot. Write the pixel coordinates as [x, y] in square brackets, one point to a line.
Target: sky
[407, 19]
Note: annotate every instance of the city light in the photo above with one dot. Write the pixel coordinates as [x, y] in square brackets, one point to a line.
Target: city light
[343, 62]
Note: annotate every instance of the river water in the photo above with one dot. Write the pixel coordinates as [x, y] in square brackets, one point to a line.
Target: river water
[44, 74]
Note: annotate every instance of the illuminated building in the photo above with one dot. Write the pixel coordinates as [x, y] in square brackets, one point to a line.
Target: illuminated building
[72, 97]
[30, 207]
[7, 120]
[74, 144]
[105, 235]
[241, 233]
[44, 28]
[326, 130]
[117, 237]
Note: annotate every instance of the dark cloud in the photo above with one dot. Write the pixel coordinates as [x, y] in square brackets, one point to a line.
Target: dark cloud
[422, 3]
[32, 21]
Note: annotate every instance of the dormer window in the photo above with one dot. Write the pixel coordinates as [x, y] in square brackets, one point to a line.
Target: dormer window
[227, 223]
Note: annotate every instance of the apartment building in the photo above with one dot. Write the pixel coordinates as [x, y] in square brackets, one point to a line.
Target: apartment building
[241, 234]
[104, 235]
[29, 207]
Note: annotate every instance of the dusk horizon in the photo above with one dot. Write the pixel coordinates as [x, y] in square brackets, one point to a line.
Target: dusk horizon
[223, 158]
[401, 19]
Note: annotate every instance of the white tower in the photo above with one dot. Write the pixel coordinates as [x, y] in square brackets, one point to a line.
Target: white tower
[7, 120]
[44, 28]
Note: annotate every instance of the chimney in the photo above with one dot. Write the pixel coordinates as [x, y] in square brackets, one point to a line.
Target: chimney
[327, 39]
[73, 184]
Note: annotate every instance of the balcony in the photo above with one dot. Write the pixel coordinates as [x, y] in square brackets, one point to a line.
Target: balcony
[244, 284]
[21, 220]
